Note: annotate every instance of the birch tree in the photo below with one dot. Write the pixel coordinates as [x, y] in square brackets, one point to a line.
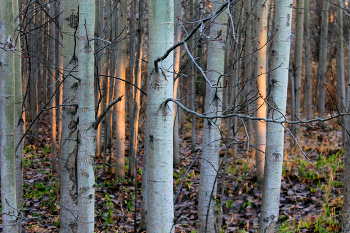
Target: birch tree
[247, 63]
[135, 119]
[308, 81]
[260, 136]
[19, 123]
[277, 109]
[177, 60]
[210, 161]
[298, 52]
[345, 213]
[322, 64]
[159, 133]
[7, 121]
[53, 112]
[87, 133]
[69, 144]
[340, 60]
[120, 91]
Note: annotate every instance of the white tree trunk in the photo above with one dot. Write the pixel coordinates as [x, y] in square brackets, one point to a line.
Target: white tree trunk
[216, 62]
[120, 91]
[159, 135]
[260, 135]
[7, 120]
[69, 144]
[87, 133]
[275, 132]
[19, 123]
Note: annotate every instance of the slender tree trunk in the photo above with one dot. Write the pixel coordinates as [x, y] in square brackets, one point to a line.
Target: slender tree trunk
[248, 65]
[53, 112]
[144, 196]
[106, 81]
[132, 26]
[69, 151]
[192, 85]
[87, 133]
[345, 216]
[298, 57]
[260, 135]
[237, 72]
[120, 91]
[340, 61]
[101, 80]
[177, 61]
[59, 98]
[275, 132]
[134, 129]
[159, 120]
[19, 123]
[7, 122]
[322, 65]
[210, 161]
[308, 81]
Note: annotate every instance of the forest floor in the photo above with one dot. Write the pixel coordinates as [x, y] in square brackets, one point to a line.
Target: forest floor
[309, 202]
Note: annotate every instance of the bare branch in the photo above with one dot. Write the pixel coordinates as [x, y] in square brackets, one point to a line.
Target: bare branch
[104, 112]
[201, 22]
[253, 118]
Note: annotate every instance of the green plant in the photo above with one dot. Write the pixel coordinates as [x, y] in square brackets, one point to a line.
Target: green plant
[229, 204]
[109, 207]
[47, 150]
[126, 165]
[248, 203]
[29, 149]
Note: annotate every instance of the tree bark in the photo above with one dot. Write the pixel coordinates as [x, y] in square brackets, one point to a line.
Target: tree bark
[134, 123]
[345, 214]
[298, 57]
[248, 58]
[120, 91]
[159, 133]
[260, 135]
[144, 196]
[19, 123]
[213, 104]
[275, 132]
[69, 147]
[340, 61]
[87, 133]
[7, 122]
[322, 65]
[53, 112]
[308, 81]
[177, 60]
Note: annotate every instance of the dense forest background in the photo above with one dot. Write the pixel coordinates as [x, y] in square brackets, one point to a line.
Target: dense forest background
[175, 116]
